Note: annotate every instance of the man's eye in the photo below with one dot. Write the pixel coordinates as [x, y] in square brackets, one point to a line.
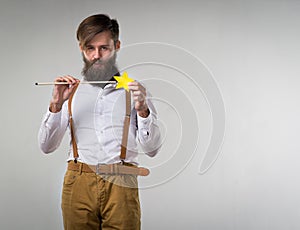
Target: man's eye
[89, 48]
[104, 48]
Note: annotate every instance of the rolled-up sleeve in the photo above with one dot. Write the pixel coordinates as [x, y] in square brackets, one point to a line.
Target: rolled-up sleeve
[148, 132]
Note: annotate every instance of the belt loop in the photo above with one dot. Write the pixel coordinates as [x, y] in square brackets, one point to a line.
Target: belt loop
[80, 168]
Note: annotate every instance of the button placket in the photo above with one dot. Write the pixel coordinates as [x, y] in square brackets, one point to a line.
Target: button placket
[98, 119]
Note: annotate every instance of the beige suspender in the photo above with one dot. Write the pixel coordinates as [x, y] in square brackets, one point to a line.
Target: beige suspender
[125, 127]
[74, 145]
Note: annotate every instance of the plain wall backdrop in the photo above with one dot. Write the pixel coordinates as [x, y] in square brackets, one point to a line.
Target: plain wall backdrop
[225, 78]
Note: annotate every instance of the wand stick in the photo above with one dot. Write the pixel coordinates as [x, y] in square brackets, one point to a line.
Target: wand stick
[66, 83]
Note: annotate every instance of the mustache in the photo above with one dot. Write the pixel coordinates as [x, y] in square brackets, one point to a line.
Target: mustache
[91, 63]
[97, 61]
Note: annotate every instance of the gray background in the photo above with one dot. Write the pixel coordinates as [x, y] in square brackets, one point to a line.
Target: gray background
[251, 49]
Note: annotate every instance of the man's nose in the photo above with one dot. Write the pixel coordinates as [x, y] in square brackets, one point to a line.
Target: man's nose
[97, 54]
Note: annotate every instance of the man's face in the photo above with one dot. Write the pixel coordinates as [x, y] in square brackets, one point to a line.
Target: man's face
[100, 47]
[99, 56]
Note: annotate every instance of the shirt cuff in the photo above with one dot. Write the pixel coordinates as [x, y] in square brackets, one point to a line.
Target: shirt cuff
[52, 118]
[144, 122]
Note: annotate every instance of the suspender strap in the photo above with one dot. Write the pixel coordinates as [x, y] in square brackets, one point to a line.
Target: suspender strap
[74, 145]
[126, 126]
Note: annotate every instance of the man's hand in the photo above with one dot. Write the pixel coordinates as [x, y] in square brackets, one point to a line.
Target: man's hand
[139, 97]
[61, 93]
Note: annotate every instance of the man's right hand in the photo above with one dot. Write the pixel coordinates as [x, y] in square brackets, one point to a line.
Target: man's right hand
[61, 93]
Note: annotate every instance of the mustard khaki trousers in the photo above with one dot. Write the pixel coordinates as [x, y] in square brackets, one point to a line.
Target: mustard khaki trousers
[91, 201]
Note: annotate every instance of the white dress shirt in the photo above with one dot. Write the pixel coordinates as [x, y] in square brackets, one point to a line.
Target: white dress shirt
[98, 116]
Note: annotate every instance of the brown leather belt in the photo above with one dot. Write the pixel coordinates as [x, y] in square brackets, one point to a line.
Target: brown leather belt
[109, 169]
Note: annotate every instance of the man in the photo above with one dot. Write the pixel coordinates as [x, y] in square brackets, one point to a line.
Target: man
[92, 198]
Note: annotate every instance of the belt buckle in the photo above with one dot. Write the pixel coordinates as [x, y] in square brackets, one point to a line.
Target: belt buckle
[98, 169]
[108, 169]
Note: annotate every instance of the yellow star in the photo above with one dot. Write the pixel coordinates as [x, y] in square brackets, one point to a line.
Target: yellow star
[123, 81]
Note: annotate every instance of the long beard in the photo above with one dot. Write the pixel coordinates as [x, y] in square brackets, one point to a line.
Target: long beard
[93, 72]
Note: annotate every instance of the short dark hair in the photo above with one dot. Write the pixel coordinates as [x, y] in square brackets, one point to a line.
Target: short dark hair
[94, 25]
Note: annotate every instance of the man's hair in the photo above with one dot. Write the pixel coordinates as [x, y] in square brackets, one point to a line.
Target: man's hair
[94, 25]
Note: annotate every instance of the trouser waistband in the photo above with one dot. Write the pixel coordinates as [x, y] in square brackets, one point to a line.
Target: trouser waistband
[109, 169]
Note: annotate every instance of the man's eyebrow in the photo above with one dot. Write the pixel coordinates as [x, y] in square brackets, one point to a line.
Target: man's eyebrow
[91, 45]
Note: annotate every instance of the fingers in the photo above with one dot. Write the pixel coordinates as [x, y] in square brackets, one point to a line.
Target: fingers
[139, 95]
[138, 91]
[62, 92]
[69, 79]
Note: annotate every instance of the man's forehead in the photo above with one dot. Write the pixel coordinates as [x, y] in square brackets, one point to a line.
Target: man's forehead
[102, 37]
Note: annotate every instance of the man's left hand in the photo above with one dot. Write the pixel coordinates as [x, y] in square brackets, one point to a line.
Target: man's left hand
[139, 98]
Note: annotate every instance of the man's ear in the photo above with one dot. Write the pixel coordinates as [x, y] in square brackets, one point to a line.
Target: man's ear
[118, 45]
